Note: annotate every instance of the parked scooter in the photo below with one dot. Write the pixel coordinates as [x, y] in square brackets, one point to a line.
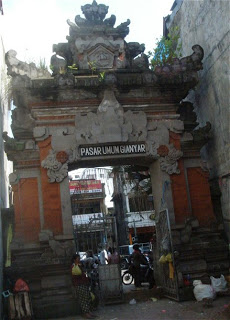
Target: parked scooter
[147, 275]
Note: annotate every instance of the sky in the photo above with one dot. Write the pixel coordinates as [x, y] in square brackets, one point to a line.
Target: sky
[31, 27]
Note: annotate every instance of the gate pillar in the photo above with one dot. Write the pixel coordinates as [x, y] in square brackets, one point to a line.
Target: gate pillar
[56, 199]
[161, 188]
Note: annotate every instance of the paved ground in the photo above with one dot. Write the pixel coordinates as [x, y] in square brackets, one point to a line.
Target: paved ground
[157, 308]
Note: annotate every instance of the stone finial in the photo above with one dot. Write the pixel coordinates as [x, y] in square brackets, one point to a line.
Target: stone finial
[94, 12]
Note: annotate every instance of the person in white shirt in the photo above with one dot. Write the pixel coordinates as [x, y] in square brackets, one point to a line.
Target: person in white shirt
[103, 256]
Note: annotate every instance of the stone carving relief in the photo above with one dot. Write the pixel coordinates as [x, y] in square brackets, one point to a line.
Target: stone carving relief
[103, 58]
[110, 123]
[169, 162]
[56, 170]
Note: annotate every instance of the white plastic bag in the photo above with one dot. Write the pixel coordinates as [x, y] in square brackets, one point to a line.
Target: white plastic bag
[133, 301]
[219, 284]
[202, 291]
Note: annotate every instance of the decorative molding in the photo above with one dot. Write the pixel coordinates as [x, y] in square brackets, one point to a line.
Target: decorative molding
[41, 133]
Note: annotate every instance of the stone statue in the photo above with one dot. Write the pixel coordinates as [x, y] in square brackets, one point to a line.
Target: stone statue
[110, 21]
[123, 28]
[202, 134]
[141, 62]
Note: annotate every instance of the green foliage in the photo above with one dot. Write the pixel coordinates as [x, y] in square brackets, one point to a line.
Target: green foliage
[73, 67]
[39, 64]
[42, 64]
[101, 76]
[92, 66]
[166, 49]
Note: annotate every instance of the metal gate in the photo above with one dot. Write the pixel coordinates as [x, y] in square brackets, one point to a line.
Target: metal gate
[92, 228]
[162, 247]
[93, 231]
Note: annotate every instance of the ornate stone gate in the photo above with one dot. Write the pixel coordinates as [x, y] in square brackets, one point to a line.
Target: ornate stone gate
[102, 105]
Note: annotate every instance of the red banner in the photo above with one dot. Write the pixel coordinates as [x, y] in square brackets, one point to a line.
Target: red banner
[85, 186]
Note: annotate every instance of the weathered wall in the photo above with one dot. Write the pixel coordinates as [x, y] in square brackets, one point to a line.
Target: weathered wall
[206, 23]
[5, 166]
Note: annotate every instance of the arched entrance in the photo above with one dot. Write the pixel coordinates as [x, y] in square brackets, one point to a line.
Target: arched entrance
[101, 106]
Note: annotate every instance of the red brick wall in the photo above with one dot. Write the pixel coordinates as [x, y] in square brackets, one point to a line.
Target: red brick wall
[26, 207]
[178, 183]
[200, 196]
[180, 195]
[198, 188]
[51, 195]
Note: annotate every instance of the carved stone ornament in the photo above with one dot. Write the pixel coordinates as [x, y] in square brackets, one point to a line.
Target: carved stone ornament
[16, 67]
[110, 123]
[57, 171]
[103, 58]
[163, 150]
[169, 162]
[62, 156]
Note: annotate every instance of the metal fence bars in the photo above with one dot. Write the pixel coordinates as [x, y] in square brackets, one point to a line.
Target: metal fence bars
[162, 249]
[110, 283]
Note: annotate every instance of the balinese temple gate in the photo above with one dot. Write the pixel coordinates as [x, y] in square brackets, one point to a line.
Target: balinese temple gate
[101, 106]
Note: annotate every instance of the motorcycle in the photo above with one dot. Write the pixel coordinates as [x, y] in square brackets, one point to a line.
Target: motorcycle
[147, 275]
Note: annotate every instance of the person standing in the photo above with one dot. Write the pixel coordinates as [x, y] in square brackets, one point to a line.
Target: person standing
[135, 261]
[81, 284]
[103, 256]
[114, 257]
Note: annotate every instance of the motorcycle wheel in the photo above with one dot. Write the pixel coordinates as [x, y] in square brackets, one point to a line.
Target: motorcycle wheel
[127, 278]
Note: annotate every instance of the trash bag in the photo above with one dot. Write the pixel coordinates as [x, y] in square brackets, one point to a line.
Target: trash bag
[219, 284]
[133, 301]
[21, 285]
[202, 291]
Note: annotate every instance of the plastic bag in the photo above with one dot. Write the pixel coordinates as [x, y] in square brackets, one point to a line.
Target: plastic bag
[21, 285]
[162, 259]
[76, 270]
[168, 258]
[202, 291]
[219, 284]
[133, 301]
